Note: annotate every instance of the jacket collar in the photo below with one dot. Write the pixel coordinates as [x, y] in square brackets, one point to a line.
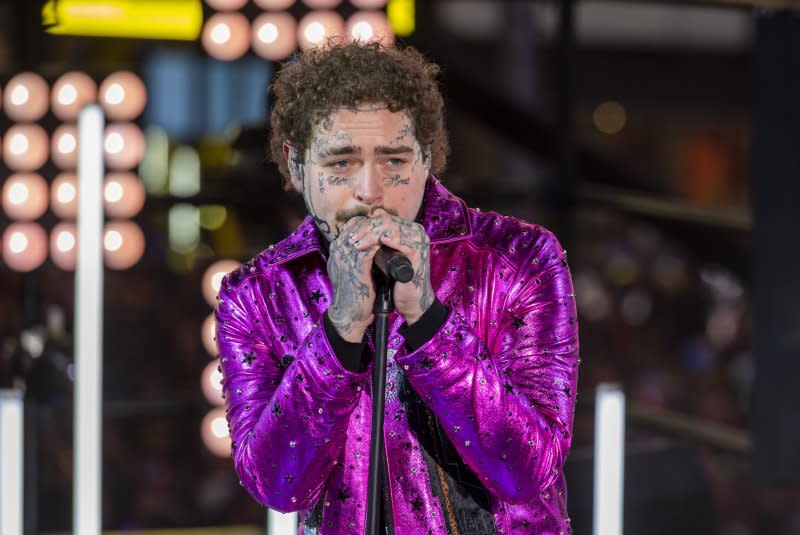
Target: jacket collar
[444, 217]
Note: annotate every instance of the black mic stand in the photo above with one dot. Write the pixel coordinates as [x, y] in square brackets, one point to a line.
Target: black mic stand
[377, 455]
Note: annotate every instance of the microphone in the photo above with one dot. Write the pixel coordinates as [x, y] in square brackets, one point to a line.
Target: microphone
[393, 264]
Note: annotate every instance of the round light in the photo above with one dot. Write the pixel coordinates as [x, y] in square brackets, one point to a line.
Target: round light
[610, 117]
[208, 334]
[214, 430]
[25, 196]
[63, 245]
[369, 27]
[226, 36]
[64, 149]
[274, 4]
[212, 279]
[322, 4]
[317, 27]
[368, 4]
[124, 195]
[24, 246]
[274, 36]
[123, 96]
[72, 92]
[211, 383]
[27, 97]
[64, 195]
[123, 145]
[226, 5]
[25, 147]
[123, 242]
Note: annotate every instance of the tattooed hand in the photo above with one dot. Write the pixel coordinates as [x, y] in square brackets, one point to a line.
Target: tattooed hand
[412, 298]
[349, 269]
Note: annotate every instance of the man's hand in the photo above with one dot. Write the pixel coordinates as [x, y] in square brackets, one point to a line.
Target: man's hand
[412, 298]
[349, 269]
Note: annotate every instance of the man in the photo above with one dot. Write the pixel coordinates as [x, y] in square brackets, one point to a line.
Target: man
[483, 344]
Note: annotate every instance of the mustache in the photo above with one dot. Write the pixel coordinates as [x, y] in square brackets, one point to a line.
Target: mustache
[345, 215]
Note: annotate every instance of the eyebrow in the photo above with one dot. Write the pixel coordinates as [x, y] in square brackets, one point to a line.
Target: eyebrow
[382, 150]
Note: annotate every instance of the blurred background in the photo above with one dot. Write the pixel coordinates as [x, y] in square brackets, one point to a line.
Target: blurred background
[659, 140]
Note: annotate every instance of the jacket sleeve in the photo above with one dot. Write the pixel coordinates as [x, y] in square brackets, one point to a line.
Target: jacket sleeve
[287, 414]
[508, 407]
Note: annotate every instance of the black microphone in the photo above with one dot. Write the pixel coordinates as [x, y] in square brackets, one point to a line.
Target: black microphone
[394, 264]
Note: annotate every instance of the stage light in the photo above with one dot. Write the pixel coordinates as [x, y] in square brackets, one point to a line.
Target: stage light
[123, 145]
[610, 117]
[274, 35]
[215, 433]
[12, 461]
[123, 96]
[322, 4]
[64, 147]
[226, 5]
[183, 228]
[184, 172]
[25, 196]
[402, 16]
[208, 333]
[317, 27]
[211, 383]
[64, 195]
[24, 246]
[226, 36]
[26, 97]
[368, 4]
[370, 26]
[123, 244]
[71, 92]
[212, 216]
[274, 4]
[25, 147]
[609, 459]
[123, 194]
[143, 19]
[64, 245]
[212, 279]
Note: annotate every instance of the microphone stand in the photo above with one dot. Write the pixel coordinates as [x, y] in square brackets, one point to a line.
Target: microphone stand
[377, 456]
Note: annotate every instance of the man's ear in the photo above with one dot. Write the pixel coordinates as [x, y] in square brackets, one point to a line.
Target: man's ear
[295, 167]
[426, 158]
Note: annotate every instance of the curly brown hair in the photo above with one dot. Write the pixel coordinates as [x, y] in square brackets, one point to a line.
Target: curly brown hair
[320, 81]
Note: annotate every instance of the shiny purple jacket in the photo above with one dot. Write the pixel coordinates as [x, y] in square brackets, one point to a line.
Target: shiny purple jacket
[499, 374]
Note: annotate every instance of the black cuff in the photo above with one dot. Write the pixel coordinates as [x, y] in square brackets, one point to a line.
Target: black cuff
[350, 354]
[426, 326]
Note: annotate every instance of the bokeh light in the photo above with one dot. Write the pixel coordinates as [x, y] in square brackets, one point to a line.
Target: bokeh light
[368, 4]
[123, 146]
[64, 245]
[226, 36]
[25, 147]
[212, 279]
[123, 244]
[64, 147]
[317, 27]
[71, 92]
[215, 432]
[274, 35]
[64, 195]
[610, 117]
[211, 383]
[226, 5]
[123, 195]
[322, 4]
[25, 196]
[123, 96]
[26, 97]
[274, 4]
[208, 333]
[368, 27]
[24, 246]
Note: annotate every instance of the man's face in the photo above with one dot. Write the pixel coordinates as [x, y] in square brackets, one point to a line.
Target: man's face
[359, 160]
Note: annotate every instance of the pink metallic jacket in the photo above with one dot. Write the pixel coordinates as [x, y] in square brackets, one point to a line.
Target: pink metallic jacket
[499, 375]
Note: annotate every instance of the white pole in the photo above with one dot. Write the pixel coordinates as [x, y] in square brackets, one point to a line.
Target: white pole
[281, 523]
[11, 462]
[87, 482]
[609, 459]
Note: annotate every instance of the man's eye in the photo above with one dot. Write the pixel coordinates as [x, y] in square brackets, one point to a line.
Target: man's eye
[340, 164]
[396, 161]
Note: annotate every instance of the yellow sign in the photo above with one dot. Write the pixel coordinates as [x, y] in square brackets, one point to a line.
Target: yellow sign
[142, 19]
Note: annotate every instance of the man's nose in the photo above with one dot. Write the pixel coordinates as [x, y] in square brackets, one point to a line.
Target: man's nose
[369, 186]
